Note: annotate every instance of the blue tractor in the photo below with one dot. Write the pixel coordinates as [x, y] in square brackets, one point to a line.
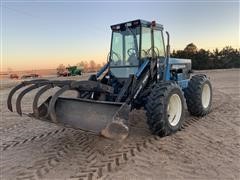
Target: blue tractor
[139, 73]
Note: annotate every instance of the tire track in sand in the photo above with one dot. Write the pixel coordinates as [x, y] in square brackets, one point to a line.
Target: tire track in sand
[99, 158]
[196, 152]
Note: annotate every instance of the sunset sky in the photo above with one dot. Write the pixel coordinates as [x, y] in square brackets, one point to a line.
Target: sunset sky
[44, 34]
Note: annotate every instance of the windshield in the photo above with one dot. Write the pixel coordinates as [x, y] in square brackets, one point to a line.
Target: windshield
[125, 47]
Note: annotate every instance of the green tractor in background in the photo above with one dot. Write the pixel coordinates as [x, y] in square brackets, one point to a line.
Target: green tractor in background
[69, 71]
[74, 70]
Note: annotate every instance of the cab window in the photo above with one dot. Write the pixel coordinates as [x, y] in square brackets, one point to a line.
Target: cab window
[158, 43]
[146, 42]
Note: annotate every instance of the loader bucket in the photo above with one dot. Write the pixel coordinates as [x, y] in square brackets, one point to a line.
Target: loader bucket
[102, 117]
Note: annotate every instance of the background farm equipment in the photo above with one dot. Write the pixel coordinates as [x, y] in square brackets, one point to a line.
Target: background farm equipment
[32, 75]
[139, 73]
[13, 76]
[68, 71]
[74, 70]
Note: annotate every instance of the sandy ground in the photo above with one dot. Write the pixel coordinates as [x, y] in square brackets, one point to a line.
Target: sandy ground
[206, 148]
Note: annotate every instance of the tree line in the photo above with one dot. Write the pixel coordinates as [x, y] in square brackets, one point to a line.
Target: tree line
[225, 58]
[84, 66]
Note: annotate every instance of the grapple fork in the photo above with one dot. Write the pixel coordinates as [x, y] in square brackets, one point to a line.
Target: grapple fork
[99, 117]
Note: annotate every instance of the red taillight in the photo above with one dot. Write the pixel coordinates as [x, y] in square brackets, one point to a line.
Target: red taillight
[153, 23]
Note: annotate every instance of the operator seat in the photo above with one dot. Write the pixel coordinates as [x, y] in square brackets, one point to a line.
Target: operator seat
[133, 60]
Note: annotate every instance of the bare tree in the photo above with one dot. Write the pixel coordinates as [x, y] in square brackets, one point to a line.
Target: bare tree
[80, 65]
[61, 69]
[98, 67]
[92, 66]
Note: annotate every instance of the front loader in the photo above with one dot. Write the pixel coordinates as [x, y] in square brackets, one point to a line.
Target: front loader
[139, 73]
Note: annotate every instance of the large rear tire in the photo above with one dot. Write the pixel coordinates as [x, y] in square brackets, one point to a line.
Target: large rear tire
[198, 95]
[165, 109]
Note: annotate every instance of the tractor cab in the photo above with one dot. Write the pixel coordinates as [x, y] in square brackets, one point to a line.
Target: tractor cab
[132, 44]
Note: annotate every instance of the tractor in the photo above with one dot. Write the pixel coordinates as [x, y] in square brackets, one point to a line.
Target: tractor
[69, 71]
[74, 70]
[139, 73]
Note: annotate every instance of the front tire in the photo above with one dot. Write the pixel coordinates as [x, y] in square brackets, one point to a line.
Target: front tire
[198, 95]
[165, 109]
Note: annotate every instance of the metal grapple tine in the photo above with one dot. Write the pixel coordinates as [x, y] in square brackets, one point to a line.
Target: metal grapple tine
[19, 86]
[19, 98]
[51, 84]
[51, 107]
[10, 95]
[36, 98]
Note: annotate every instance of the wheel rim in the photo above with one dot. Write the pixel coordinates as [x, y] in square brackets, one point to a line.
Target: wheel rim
[174, 109]
[206, 95]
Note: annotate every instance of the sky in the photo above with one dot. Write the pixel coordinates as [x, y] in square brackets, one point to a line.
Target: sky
[43, 34]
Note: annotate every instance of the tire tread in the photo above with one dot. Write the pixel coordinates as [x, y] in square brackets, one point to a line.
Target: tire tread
[193, 95]
[155, 108]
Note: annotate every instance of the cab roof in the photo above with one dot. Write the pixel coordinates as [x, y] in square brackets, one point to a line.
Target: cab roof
[136, 23]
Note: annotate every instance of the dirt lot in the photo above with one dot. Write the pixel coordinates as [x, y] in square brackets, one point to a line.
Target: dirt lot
[206, 148]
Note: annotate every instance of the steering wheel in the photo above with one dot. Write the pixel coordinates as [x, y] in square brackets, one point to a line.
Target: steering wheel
[154, 52]
[131, 51]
